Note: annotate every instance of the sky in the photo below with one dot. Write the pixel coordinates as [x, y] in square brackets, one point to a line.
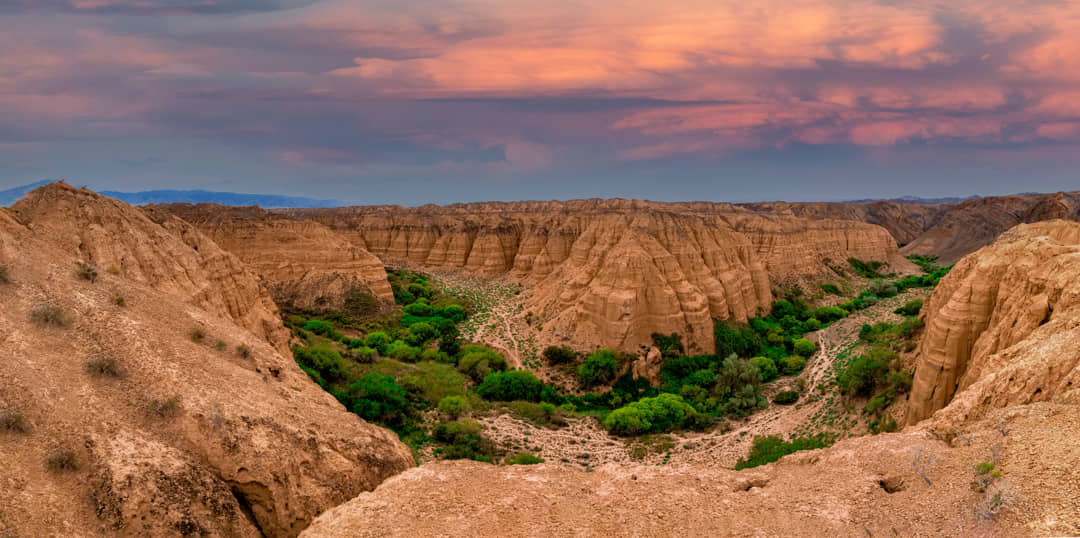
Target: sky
[417, 101]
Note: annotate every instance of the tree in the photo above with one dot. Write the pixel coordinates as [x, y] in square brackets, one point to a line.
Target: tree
[378, 341]
[377, 398]
[792, 365]
[510, 386]
[600, 367]
[766, 367]
[804, 347]
[559, 354]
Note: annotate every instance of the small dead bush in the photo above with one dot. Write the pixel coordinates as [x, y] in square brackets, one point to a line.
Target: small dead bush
[244, 351]
[119, 300]
[197, 334]
[86, 271]
[167, 408]
[12, 421]
[103, 365]
[48, 314]
[5, 274]
[62, 459]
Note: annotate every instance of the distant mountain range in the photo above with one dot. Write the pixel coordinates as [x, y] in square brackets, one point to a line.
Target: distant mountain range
[913, 200]
[266, 201]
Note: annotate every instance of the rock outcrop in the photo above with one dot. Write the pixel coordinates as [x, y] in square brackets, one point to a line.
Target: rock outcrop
[303, 263]
[1003, 328]
[859, 487]
[171, 431]
[612, 272]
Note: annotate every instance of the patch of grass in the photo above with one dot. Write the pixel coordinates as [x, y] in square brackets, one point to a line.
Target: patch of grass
[830, 288]
[13, 421]
[167, 408]
[221, 345]
[48, 314]
[103, 365]
[767, 449]
[787, 397]
[118, 300]
[86, 271]
[62, 459]
[524, 458]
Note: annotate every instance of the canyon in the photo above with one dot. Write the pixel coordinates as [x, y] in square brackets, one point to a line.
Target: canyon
[203, 422]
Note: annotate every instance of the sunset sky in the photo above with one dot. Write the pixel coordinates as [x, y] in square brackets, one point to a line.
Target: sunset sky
[414, 101]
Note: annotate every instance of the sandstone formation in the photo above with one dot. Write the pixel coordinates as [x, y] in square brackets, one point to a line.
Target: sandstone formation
[612, 272]
[303, 263]
[866, 486]
[1003, 327]
[191, 436]
[946, 230]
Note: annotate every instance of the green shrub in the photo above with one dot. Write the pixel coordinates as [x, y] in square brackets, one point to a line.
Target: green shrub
[363, 354]
[660, 414]
[13, 421]
[454, 406]
[359, 302]
[829, 288]
[464, 441]
[319, 327]
[863, 374]
[62, 459]
[767, 449]
[559, 355]
[377, 398]
[452, 312]
[766, 368]
[737, 384]
[883, 289]
[103, 365]
[419, 310]
[433, 381]
[323, 359]
[510, 386]
[812, 324]
[479, 361]
[804, 347]
[670, 346]
[377, 340]
[524, 458]
[401, 351]
[792, 365]
[86, 271]
[600, 367]
[419, 333]
[829, 314]
[118, 300]
[742, 341]
[787, 397]
[48, 314]
[866, 269]
[910, 308]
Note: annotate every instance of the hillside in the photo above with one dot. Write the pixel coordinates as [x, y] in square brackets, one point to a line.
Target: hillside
[612, 272]
[154, 394]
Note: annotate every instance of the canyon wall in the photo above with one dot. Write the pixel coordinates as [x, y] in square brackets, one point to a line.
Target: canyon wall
[612, 272]
[302, 263]
[212, 433]
[1003, 327]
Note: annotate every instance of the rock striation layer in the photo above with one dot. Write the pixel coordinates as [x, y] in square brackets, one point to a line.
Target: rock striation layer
[612, 272]
[303, 263]
[183, 435]
[1003, 327]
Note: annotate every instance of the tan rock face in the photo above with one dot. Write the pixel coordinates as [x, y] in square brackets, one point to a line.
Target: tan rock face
[303, 263]
[859, 487]
[1003, 327]
[612, 272]
[240, 444]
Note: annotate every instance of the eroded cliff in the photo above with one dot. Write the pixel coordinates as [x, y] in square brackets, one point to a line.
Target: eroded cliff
[1003, 327]
[612, 272]
[303, 263]
[152, 398]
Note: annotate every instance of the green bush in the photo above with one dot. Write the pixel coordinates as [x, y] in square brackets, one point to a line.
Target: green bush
[401, 351]
[792, 365]
[377, 340]
[883, 289]
[742, 341]
[454, 406]
[419, 333]
[452, 312]
[737, 384]
[829, 314]
[910, 308]
[86, 271]
[510, 386]
[829, 288]
[767, 449]
[479, 361]
[866, 269]
[864, 374]
[670, 346]
[812, 324]
[419, 310]
[766, 368]
[524, 458]
[464, 441]
[787, 397]
[377, 398]
[433, 381]
[363, 354]
[660, 414]
[322, 328]
[804, 347]
[359, 302]
[323, 359]
[600, 367]
[559, 355]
